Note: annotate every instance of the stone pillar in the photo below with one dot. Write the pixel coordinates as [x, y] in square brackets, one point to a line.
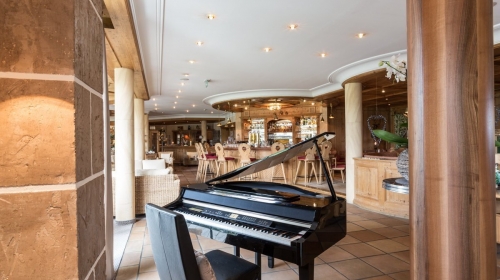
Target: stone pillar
[451, 122]
[51, 110]
[146, 132]
[124, 146]
[353, 133]
[204, 130]
[138, 130]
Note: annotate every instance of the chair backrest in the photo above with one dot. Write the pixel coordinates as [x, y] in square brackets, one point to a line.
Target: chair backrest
[326, 147]
[219, 151]
[311, 153]
[244, 150]
[199, 150]
[277, 147]
[206, 147]
[172, 248]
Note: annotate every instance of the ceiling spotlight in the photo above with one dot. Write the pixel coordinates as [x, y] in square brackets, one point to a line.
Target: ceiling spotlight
[246, 108]
[156, 108]
[187, 111]
[387, 98]
[323, 55]
[174, 107]
[383, 90]
[389, 104]
[176, 96]
[191, 61]
[182, 84]
[211, 16]
[267, 49]
[199, 43]
[235, 105]
[175, 102]
[211, 112]
[312, 103]
[180, 91]
[304, 100]
[154, 99]
[156, 104]
[185, 75]
[361, 35]
[194, 105]
[293, 26]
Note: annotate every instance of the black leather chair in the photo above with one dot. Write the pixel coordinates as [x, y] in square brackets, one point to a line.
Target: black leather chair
[174, 255]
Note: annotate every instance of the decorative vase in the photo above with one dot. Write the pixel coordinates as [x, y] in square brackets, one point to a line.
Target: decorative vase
[402, 163]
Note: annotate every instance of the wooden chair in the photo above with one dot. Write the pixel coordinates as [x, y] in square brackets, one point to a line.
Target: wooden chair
[244, 151]
[277, 147]
[222, 159]
[326, 147]
[174, 255]
[308, 159]
[337, 167]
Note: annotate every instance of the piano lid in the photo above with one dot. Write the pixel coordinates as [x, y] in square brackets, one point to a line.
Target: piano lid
[277, 158]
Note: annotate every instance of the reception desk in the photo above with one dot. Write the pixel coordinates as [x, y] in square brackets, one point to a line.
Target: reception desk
[368, 190]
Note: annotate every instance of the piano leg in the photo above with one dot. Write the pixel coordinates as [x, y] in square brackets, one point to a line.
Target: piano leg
[237, 251]
[270, 262]
[306, 272]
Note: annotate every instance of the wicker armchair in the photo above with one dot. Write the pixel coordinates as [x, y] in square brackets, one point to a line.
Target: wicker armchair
[152, 186]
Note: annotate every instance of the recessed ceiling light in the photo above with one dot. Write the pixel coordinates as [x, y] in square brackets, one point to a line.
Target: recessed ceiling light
[154, 99]
[175, 102]
[293, 26]
[361, 35]
[156, 108]
[156, 104]
[180, 91]
[312, 103]
[383, 90]
[174, 107]
[211, 112]
[211, 16]
[322, 54]
[199, 43]
[194, 105]
[187, 111]
[389, 104]
[182, 84]
[191, 61]
[235, 105]
[176, 96]
[185, 75]
[304, 100]
[267, 49]
[246, 108]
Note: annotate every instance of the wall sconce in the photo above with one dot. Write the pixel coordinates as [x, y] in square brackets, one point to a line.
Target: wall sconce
[331, 112]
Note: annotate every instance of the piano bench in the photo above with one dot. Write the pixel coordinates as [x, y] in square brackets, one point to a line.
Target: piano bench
[227, 266]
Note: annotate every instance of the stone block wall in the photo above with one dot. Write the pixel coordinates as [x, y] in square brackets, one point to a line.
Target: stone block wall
[51, 140]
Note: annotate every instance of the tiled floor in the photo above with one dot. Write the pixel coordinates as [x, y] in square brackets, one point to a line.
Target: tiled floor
[376, 247]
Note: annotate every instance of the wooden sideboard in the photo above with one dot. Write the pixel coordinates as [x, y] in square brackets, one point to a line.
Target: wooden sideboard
[368, 191]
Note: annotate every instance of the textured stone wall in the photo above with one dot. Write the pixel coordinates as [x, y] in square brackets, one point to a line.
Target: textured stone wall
[51, 140]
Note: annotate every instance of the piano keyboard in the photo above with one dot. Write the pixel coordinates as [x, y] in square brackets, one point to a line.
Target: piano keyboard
[265, 227]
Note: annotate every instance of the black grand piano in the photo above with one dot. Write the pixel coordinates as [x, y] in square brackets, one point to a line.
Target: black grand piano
[277, 220]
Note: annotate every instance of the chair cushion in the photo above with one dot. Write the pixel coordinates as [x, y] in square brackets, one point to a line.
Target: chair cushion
[253, 159]
[230, 267]
[229, 158]
[206, 270]
[211, 157]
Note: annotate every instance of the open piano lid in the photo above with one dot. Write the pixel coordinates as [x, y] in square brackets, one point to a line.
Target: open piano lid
[280, 157]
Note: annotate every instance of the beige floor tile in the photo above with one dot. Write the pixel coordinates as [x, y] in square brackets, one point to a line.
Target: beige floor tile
[147, 251]
[209, 244]
[325, 272]
[246, 254]
[366, 235]
[390, 222]
[354, 209]
[141, 222]
[352, 227]
[278, 265]
[136, 236]
[147, 265]
[147, 240]
[317, 261]
[389, 232]
[134, 246]
[361, 250]
[387, 263]
[335, 254]
[347, 240]
[193, 236]
[153, 275]
[355, 269]
[354, 218]
[281, 275]
[127, 272]
[373, 216]
[132, 258]
[388, 245]
[138, 229]
[404, 275]
[196, 245]
[369, 224]
[403, 255]
[383, 277]
[405, 228]
[405, 240]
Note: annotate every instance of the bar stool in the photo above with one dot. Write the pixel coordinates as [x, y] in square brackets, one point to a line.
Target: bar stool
[308, 159]
[200, 161]
[337, 167]
[209, 163]
[244, 150]
[222, 159]
[276, 147]
[326, 147]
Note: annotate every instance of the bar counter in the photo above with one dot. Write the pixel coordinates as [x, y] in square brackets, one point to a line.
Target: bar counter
[368, 190]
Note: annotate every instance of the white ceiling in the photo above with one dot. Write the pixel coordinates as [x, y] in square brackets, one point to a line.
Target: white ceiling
[232, 55]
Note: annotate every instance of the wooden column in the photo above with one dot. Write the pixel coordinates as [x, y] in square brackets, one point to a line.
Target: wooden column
[450, 89]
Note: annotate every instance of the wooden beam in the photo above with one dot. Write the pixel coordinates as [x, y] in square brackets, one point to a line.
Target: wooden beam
[123, 45]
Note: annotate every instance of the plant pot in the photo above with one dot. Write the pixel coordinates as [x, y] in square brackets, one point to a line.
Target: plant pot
[403, 163]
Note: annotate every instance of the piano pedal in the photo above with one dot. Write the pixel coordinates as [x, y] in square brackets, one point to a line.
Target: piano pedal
[270, 262]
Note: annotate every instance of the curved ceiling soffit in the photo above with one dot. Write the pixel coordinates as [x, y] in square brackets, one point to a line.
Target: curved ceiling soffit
[214, 116]
[335, 80]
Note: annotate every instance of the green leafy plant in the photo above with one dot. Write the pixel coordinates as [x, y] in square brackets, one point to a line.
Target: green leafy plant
[391, 137]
